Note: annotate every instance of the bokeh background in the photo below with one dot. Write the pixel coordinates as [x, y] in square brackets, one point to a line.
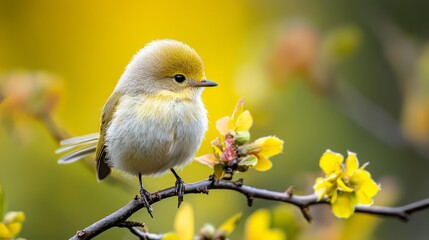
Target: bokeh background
[318, 74]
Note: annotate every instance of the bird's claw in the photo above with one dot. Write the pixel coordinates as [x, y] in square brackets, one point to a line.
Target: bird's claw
[146, 198]
[180, 190]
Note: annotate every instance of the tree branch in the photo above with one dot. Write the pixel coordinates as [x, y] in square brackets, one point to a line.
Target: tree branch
[303, 202]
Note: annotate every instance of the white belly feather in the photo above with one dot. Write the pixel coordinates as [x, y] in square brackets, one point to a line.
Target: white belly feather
[150, 136]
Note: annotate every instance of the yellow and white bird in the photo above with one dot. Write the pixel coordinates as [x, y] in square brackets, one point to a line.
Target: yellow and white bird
[154, 120]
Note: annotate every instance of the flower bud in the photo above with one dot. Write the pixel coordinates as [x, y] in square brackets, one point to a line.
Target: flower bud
[207, 231]
[242, 138]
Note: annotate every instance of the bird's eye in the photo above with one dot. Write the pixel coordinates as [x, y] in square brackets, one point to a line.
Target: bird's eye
[179, 78]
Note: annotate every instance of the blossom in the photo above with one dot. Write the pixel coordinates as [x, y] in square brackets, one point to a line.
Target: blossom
[11, 225]
[11, 222]
[30, 93]
[184, 227]
[264, 148]
[239, 122]
[258, 227]
[232, 150]
[345, 184]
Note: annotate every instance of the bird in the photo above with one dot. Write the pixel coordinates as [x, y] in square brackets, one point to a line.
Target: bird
[154, 120]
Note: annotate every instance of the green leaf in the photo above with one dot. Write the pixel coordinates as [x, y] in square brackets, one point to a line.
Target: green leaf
[218, 170]
[242, 168]
[249, 160]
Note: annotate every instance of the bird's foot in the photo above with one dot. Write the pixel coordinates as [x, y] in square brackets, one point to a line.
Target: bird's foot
[146, 198]
[180, 190]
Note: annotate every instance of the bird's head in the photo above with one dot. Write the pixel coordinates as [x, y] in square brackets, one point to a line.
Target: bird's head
[167, 67]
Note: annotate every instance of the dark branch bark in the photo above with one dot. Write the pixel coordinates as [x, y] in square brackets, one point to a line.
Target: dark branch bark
[303, 202]
[132, 226]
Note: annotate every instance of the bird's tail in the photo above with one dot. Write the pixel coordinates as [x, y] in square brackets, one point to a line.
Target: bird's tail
[77, 147]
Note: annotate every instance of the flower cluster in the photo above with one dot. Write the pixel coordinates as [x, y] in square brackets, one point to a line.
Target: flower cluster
[233, 150]
[345, 184]
[184, 227]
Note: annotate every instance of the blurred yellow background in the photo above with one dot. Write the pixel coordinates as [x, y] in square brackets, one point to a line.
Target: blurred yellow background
[318, 75]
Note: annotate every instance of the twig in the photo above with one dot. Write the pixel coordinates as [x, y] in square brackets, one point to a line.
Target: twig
[132, 226]
[57, 132]
[303, 202]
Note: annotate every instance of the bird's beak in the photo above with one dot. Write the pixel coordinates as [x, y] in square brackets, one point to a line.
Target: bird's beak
[203, 83]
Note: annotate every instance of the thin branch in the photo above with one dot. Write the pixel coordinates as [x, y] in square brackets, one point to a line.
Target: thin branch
[303, 202]
[132, 226]
[56, 131]
[402, 212]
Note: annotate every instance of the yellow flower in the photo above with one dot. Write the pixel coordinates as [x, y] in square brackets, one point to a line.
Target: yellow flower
[258, 227]
[264, 148]
[184, 226]
[11, 225]
[229, 225]
[345, 184]
[239, 123]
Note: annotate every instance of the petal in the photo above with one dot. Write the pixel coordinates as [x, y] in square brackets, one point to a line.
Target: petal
[359, 177]
[229, 225]
[322, 188]
[244, 121]
[367, 191]
[224, 125]
[330, 162]
[4, 232]
[257, 224]
[218, 152]
[334, 196]
[264, 164]
[184, 222]
[14, 217]
[343, 206]
[270, 146]
[363, 198]
[342, 186]
[238, 109]
[14, 228]
[208, 159]
[170, 236]
[371, 188]
[274, 234]
[352, 163]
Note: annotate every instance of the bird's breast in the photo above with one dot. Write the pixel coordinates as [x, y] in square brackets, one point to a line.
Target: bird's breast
[150, 135]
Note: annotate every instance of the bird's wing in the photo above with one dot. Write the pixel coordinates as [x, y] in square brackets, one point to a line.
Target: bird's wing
[103, 170]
